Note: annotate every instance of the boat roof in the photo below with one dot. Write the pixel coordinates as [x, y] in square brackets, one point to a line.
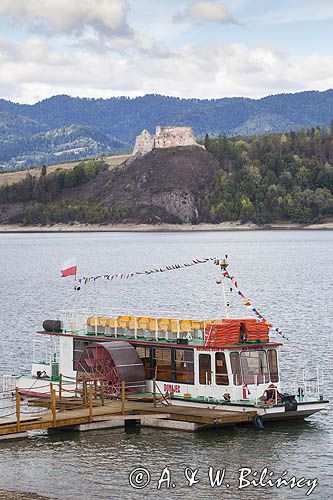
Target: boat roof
[194, 343]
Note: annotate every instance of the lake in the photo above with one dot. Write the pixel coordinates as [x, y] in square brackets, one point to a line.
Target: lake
[287, 274]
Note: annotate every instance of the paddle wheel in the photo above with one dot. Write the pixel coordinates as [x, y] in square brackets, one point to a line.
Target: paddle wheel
[112, 363]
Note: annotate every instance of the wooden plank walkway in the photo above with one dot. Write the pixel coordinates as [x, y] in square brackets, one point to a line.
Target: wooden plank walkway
[204, 415]
[134, 410]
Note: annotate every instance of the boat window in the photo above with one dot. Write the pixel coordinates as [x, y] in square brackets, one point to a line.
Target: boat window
[273, 365]
[78, 348]
[205, 369]
[254, 367]
[162, 364]
[184, 364]
[144, 355]
[235, 368]
[221, 372]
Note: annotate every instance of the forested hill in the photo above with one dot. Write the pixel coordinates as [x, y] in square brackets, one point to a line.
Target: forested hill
[265, 179]
[62, 128]
[272, 178]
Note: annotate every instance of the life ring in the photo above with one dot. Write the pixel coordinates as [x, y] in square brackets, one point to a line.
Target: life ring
[189, 336]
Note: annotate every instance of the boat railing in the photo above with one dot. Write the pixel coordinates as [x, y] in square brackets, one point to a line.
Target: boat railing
[308, 383]
[8, 385]
[41, 350]
[167, 327]
[45, 351]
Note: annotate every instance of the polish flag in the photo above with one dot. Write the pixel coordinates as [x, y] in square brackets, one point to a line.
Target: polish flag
[69, 268]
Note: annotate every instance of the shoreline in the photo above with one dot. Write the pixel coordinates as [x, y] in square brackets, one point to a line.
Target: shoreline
[151, 228]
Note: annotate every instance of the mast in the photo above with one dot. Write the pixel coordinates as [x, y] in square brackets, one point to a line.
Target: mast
[223, 263]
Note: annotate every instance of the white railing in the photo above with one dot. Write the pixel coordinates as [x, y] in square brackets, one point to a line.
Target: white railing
[45, 350]
[75, 322]
[8, 385]
[41, 350]
[307, 383]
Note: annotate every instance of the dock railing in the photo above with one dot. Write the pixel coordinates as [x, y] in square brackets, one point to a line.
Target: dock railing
[90, 396]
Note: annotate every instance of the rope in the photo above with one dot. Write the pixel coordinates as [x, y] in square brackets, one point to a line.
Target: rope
[38, 412]
[209, 335]
[248, 304]
[85, 280]
[66, 376]
[8, 391]
[29, 388]
[7, 415]
[5, 407]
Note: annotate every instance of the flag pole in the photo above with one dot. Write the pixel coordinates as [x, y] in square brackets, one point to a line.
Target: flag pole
[223, 265]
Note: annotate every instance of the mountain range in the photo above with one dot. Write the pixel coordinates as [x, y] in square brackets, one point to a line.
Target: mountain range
[64, 128]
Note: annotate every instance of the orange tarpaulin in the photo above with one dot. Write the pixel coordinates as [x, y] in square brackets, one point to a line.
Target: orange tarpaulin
[234, 331]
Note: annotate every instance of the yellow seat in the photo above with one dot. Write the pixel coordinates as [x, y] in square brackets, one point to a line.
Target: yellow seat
[152, 324]
[111, 323]
[196, 325]
[131, 323]
[185, 325]
[143, 323]
[175, 326]
[102, 320]
[123, 321]
[91, 321]
[164, 324]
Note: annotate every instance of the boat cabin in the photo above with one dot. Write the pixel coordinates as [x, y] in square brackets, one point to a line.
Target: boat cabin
[221, 359]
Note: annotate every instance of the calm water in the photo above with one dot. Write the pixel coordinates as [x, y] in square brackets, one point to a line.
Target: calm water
[289, 276]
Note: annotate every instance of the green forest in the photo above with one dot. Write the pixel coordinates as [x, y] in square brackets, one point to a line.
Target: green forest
[43, 196]
[273, 177]
[261, 179]
[63, 128]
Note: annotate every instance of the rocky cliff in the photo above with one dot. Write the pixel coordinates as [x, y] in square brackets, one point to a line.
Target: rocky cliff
[166, 185]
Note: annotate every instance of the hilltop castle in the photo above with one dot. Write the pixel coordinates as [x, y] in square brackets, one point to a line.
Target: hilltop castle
[165, 137]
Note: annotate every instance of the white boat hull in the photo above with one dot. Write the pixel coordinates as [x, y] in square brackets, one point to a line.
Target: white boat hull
[304, 409]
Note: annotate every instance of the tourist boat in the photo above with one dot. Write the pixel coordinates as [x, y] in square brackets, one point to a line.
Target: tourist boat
[221, 363]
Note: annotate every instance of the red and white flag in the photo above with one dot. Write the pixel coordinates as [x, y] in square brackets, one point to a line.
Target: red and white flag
[69, 268]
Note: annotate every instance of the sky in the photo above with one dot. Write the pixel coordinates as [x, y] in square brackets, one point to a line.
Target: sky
[184, 48]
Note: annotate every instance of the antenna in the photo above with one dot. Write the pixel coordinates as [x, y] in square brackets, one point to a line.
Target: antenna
[223, 263]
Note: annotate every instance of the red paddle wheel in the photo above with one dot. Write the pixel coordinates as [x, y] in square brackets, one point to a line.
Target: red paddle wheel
[113, 363]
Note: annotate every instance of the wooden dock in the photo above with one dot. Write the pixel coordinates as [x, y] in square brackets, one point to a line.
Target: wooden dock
[204, 416]
[93, 411]
[113, 414]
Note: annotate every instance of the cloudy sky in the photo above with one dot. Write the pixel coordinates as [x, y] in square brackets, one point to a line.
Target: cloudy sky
[185, 48]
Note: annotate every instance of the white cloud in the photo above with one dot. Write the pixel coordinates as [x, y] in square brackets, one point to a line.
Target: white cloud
[95, 25]
[34, 70]
[205, 12]
[90, 50]
[68, 16]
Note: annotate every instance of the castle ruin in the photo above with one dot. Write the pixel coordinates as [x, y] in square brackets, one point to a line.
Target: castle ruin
[165, 137]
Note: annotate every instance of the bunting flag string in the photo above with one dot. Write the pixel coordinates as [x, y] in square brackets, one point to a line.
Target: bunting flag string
[86, 280]
[124, 276]
[247, 303]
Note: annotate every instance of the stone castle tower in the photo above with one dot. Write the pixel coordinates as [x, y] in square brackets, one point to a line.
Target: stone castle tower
[165, 137]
